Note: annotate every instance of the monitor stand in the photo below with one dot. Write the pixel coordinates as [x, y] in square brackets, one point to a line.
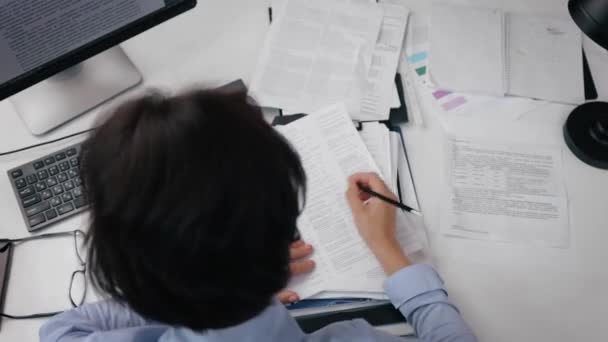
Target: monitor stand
[61, 98]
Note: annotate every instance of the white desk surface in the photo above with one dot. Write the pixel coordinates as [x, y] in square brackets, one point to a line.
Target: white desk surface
[506, 292]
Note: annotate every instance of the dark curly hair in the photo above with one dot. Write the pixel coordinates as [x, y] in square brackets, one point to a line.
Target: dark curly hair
[194, 200]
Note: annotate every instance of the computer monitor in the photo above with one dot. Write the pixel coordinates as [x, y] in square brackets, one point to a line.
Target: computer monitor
[59, 58]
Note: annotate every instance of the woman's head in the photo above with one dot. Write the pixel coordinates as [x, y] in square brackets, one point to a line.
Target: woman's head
[194, 200]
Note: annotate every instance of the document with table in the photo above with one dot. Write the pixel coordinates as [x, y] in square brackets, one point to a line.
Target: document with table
[331, 150]
[505, 192]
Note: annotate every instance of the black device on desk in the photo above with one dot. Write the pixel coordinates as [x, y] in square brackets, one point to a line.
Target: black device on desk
[49, 189]
[586, 130]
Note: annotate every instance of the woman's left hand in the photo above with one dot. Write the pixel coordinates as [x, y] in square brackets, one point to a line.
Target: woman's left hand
[299, 265]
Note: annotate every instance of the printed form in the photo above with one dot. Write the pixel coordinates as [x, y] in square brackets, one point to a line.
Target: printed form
[505, 192]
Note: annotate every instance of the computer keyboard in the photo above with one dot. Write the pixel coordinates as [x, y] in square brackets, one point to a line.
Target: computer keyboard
[49, 189]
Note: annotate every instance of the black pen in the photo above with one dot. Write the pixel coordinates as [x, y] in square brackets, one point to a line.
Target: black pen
[388, 200]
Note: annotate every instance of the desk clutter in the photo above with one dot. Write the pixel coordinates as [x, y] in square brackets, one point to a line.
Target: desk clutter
[336, 60]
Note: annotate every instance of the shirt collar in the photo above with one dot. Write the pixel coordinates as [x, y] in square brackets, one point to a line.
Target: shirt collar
[274, 323]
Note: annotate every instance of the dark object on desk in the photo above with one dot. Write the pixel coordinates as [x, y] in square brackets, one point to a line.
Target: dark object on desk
[387, 200]
[586, 133]
[590, 89]
[49, 189]
[6, 251]
[383, 314]
[586, 130]
[399, 115]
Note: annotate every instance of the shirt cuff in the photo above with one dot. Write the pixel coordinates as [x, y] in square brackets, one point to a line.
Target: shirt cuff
[411, 282]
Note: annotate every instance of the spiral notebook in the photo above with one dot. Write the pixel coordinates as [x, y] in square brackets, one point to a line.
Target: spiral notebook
[493, 52]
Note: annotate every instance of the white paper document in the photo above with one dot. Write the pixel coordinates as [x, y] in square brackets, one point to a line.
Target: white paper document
[491, 52]
[544, 59]
[409, 196]
[331, 150]
[379, 93]
[377, 139]
[317, 53]
[505, 192]
[467, 49]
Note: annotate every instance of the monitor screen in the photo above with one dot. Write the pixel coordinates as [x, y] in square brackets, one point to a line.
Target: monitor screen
[39, 38]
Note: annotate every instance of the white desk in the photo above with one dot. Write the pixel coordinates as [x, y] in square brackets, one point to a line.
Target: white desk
[506, 292]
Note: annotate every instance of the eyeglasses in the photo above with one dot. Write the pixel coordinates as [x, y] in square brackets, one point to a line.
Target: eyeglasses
[76, 295]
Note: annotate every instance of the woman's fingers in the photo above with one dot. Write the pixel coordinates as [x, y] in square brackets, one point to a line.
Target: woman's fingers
[301, 267]
[299, 250]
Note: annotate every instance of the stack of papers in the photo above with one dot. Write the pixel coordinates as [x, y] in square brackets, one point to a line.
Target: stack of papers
[387, 150]
[320, 52]
[331, 150]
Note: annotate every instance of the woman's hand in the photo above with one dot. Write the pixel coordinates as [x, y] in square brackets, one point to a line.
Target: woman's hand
[299, 265]
[375, 220]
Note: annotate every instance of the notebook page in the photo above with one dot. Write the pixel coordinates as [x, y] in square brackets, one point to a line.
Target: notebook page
[467, 49]
[545, 58]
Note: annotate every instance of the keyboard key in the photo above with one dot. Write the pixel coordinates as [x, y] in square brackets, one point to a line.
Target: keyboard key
[40, 186]
[17, 173]
[51, 214]
[69, 185]
[73, 173]
[60, 156]
[46, 194]
[31, 179]
[43, 175]
[36, 220]
[38, 164]
[20, 183]
[62, 178]
[71, 152]
[53, 170]
[64, 166]
[55, 201]
[77, 181]
[49, 160]
[51, 182]
[77, 192]
[64, 209]
[38, 208]
[57, 190]
[30, 201]
[80, 202]
[29, 191]
[66, 197]
[74, 162]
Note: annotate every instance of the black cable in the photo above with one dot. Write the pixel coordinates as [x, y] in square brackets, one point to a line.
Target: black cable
[41, 315]
[45, 143]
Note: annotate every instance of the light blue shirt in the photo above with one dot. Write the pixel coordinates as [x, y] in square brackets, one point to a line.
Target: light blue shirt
[417, 291]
